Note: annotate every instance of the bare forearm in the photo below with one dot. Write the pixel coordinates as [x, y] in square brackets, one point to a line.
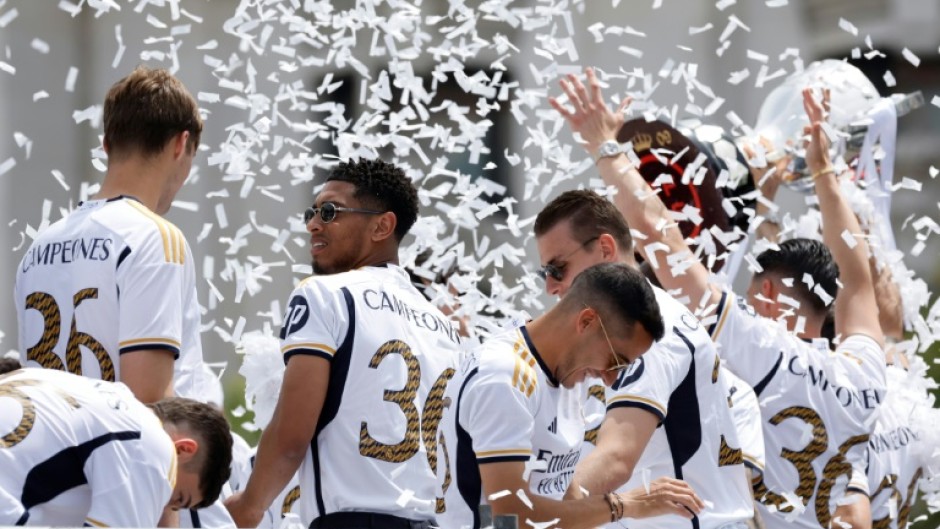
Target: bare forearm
[838, 218]
[602, 471]
[643, 209]
[585, 513]
[890, 313]
[275, 464]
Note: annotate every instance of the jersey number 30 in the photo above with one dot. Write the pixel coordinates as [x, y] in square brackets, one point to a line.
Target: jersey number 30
[43, 351]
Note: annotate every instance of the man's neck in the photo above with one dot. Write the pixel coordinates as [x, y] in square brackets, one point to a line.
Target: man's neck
[543, 334]
[136, 176]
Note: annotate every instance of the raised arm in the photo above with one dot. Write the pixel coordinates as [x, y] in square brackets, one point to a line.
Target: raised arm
[594, 121]
[856, 309]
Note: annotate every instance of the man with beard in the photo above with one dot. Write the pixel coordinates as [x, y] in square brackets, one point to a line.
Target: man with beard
[368, 359]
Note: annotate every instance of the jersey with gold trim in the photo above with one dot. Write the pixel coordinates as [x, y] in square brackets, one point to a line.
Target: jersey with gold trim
[818, 406]
[391, 354]
[509, 407]
[678, 381]
[895, 452]
[80, 451]
[111, 278]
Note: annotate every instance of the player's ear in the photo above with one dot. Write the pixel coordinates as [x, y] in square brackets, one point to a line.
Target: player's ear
[608, 245]
[180, 144]
[586, 317]
[384, 226]
[768, 290]
[186, 448]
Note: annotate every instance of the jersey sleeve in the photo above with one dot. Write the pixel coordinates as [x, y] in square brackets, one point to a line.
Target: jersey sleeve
[866, 359]
[497, 410]
[652, 378]
[150, 282]
[747, 342]
[316, 320]
[127, 488]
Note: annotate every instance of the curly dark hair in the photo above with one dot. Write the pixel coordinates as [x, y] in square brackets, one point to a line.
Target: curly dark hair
[208, 424]
[383, 186]
[590, 215]
[802, 256]
[618, 289]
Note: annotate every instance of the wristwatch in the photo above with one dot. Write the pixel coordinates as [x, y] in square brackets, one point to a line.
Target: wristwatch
[608, 149]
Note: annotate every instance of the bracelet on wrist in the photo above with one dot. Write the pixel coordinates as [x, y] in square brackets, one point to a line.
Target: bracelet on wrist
[613, 509]
[817, 174]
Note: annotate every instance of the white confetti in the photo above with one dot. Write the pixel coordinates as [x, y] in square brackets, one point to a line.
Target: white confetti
[70, 79]
[849, 239]
[121, 47]
[848, 27]
[39, 45]
[524, 498]
[8, 164]
[497, 495]
[890, 82]
[405, 497]
[911, 58]
[8, 17]
[60, 179]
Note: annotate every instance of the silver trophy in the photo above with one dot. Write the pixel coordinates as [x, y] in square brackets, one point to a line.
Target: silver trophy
[852, 98]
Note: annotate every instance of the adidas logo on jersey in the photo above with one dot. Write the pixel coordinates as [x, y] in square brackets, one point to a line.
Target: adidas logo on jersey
[553, 426]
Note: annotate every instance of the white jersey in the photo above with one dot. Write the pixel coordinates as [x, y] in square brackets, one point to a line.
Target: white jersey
[215, 516]
[895, 462]
[817, 407]
[80, 451]
[392, 354]
[678, 381]
[745, 409]
[111, 278]
[509, 407]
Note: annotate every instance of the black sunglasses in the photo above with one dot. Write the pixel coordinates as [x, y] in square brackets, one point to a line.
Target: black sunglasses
[557, 271]
[328, 211]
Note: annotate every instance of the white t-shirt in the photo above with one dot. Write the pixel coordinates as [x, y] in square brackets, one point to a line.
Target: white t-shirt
[678, 381]
[80, 451]
[895, 453]
[111, 278]
[509, 407]
[818, 407]
[392, 354]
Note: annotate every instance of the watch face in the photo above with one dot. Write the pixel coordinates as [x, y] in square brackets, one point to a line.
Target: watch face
[609, 148]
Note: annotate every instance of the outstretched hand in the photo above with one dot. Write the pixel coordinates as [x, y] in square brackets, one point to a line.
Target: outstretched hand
[817, 147]
[665, 496]
[591, 118]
